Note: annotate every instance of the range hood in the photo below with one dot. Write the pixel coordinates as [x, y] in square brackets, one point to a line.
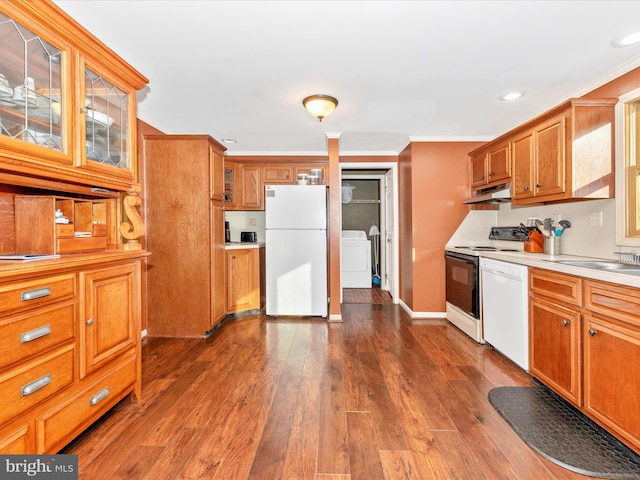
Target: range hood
[498, 194]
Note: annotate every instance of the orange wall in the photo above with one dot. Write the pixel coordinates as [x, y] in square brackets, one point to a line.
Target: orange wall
[368, 159]
[405, 227]
[438, 182]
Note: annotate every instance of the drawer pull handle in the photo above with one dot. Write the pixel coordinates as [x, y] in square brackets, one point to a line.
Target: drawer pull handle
[29, 388]
[35, 333]
[98, 397]
[565, 322]
[37, 293]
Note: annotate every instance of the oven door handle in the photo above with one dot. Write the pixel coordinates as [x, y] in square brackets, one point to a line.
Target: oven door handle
[472, 260]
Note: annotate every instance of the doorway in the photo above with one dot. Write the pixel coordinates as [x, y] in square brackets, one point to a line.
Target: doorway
[372, 208]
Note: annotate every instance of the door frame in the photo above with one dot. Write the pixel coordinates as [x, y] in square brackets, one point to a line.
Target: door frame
[393, 274]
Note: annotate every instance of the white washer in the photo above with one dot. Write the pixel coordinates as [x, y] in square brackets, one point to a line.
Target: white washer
[356, 259]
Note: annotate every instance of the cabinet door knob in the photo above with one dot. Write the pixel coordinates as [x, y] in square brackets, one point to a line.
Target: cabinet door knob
[90, 321]
[592, 332]
[482, 177]
[565, 322]
[491, 174]
[525, 188]
[538, 185]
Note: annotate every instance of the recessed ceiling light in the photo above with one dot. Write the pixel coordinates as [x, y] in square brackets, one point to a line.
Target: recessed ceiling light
[626, 39]
[511, 96]
[229, 140]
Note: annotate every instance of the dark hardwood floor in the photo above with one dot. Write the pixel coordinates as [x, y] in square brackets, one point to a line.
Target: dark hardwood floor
[374, 295]
[377, 397]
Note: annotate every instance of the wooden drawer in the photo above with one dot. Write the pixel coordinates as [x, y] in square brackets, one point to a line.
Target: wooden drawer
[59, 425]
[615, 301]
[64, 230]
[16, 439]
[33, 293]
[28, 334]
[23, 387]
[81, 244]
[558, 286]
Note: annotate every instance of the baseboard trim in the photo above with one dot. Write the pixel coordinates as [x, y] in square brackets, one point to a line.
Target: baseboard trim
[413, 314]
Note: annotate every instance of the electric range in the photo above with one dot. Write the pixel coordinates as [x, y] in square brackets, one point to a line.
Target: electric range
[463, 300]
[499, 237]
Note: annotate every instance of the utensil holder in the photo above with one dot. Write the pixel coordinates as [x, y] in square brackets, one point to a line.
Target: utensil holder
[552, 245]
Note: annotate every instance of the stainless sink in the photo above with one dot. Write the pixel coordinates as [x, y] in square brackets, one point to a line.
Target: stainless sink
[611, 266]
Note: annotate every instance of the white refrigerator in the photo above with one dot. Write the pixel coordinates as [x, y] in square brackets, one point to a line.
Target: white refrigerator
[296, 250]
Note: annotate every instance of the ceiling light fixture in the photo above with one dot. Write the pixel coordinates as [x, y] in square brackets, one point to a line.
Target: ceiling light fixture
[626, 39]
[320, 106]
[229, 140]
[511, 96]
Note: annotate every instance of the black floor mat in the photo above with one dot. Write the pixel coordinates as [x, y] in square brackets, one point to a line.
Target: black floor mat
[562, 434]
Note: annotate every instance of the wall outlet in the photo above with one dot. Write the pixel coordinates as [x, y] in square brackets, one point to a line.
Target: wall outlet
[252, 221]
[595, 219]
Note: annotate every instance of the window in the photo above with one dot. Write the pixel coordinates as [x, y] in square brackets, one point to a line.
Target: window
[628, 170]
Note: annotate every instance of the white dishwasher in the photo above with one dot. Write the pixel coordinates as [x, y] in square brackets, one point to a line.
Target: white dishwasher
[505, 315]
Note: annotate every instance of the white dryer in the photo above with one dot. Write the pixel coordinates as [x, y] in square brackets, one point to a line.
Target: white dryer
[356, 259]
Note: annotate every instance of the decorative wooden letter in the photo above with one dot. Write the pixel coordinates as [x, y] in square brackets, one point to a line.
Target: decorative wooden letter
[132, 230]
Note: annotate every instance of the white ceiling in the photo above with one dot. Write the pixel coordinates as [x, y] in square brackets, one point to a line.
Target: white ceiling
[401, 70]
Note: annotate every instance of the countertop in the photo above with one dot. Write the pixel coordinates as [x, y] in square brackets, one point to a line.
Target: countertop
[238, 245]
[542, 260]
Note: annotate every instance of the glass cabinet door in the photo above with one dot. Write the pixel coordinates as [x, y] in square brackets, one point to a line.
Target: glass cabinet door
[31, 94]
[106, 121]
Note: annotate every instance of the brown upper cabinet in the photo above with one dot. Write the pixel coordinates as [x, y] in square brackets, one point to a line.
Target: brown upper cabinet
[491, 167]
[230, 186]
[539, 164]
[73, 117]
[565, 153]
[251, 188]
[278, 174]
[245, 180]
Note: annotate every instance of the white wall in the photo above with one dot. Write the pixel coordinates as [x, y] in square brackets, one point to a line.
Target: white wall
[474, 229]
[581, 239]
[246, 222]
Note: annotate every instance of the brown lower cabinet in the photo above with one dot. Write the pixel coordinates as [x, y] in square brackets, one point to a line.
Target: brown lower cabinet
[245, 279]
[586, 347]
[70, 337]
[555, 351]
